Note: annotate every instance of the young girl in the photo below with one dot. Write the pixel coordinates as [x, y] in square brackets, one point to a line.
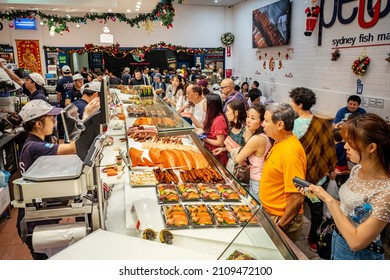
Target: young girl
[256, 148]
[368, 144]
[236, 116]
[215, 126]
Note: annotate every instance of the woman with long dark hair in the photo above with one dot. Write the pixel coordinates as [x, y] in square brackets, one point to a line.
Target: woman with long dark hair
[236, 117]
[178, 90]
[255, 149]
[215, 126]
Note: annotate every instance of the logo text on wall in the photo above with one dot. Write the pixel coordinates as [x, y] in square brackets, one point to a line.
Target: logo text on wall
[374, 11]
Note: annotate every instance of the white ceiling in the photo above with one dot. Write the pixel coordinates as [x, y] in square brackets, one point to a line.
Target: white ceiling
[93, 6]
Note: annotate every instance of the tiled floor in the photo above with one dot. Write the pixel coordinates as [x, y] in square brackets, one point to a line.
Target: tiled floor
[11, 246]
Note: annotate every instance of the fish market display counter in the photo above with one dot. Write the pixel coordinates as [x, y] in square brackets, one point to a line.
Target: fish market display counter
[168, 198]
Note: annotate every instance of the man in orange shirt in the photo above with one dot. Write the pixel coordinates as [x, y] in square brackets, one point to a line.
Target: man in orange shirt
[286, 159]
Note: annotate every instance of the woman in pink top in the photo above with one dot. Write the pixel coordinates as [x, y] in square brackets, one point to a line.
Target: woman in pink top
[215, 126]
[255, 149]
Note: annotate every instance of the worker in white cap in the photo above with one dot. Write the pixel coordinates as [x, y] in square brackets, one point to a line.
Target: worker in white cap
[33, 85]
[75, 93]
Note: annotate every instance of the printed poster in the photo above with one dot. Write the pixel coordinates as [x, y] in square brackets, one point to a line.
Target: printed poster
[29, 56]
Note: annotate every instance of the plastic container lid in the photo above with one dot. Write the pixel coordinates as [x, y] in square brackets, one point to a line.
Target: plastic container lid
[54, 168]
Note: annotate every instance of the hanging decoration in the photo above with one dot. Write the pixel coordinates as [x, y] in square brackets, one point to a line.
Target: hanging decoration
[29, 56]
[163, 12]
[312, 13]
[148, 25]
[360, 65]
[113, 50]
[227, 38]
[335, 54]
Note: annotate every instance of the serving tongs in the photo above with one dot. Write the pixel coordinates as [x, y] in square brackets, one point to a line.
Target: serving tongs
[126, 160]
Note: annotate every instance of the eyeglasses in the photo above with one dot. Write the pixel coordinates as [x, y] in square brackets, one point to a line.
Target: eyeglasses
[225, 87]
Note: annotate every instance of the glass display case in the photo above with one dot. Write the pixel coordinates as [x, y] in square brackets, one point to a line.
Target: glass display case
[249, 233]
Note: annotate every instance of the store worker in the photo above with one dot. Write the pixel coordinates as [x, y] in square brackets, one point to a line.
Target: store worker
[64, 84]
[33, 85]
[39, 118]
[352, 109]
[89, 92]
[74, 94]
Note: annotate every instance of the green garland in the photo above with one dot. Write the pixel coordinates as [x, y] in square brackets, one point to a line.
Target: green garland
[163, 12]
[114, 50]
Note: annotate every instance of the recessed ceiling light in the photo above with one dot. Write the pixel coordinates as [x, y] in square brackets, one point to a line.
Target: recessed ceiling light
[129, 11]
[139, 3]
[54, 9]
[138, 6]
[109, 10]
[137, 10]
[12, 7]
[215, 1]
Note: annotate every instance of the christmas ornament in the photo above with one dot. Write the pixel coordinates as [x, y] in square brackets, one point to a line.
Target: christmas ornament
[312, 13]
[227, 39]
[335, 55]
[11, 25]
[148, 25]
[360, 65]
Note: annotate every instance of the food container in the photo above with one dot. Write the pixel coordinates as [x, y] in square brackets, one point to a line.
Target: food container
[143, 179]
[200, 216]
[175, 216]
[223, 216]
[188, 192]
[167, 193]
[208, 192]
[244, 215]
[228, 193]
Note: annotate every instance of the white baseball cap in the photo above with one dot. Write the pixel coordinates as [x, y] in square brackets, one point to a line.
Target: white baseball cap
[94, 86]
[37, 108]
[66, 69]
[77, 77]
[36, 78]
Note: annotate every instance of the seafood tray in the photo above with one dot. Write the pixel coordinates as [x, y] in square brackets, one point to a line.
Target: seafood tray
[175, 216]
[200, 216]
[244, 215]
[167, 193]
[143, 179]
[223, 215]
[188, 192]
[208, 192]
[228, 193]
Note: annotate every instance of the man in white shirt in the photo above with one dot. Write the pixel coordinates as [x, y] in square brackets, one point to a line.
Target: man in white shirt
[196, 112]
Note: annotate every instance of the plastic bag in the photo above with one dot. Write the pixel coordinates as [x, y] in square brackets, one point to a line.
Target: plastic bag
[4, 178]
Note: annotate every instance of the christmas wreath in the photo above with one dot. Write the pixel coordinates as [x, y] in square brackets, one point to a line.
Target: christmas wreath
[359, 66]
[227, 39]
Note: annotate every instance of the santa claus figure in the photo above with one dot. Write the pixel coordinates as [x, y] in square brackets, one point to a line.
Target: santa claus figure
[312, 13]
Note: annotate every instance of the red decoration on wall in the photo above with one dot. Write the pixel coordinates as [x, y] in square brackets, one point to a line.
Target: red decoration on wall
[29, 56]
[228, 51]
[229, 73]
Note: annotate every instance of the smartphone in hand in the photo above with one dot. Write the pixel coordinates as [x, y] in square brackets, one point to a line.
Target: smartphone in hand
[300, 183]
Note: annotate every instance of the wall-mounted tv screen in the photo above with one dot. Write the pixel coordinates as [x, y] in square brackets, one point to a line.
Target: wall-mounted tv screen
[271, 25]
[25, 23]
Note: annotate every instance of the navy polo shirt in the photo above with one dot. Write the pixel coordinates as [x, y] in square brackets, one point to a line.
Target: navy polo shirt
[33, 148]
[38, 94]
[80, 104]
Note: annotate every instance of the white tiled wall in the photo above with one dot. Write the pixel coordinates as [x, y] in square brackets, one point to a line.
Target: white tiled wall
[310, 65]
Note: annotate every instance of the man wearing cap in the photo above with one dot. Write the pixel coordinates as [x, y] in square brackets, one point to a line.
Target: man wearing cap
[89, 91]
[39, 119]
[73, 94]
[33, 86]
[138, 79]
[126, 76]
[64, 84]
